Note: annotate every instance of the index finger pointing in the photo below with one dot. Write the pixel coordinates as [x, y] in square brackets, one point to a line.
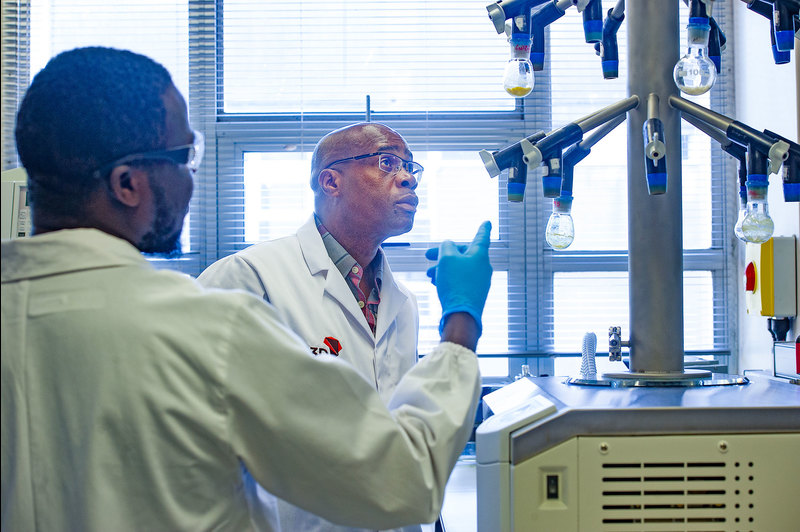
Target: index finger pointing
[482, 237]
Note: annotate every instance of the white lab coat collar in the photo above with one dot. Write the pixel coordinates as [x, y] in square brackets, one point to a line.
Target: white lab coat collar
[319, 263]
[64, 251]
[313, 248]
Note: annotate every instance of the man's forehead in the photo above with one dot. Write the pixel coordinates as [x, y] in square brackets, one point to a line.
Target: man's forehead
[382, 138]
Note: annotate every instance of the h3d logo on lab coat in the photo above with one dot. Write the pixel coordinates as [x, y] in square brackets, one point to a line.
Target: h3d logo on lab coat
[332, 346]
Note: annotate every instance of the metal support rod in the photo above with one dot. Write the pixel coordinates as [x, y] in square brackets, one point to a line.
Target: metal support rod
[607, 113]
[747, 134]
[734, 149]
[655, 241]
[552, 144]
[577, 152]
[776, 151]
[652, 105]
[701, 113]
[595, 136]
[619, 9]
[709, 130]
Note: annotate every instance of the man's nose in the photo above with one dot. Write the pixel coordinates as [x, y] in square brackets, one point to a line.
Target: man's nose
[407, 179]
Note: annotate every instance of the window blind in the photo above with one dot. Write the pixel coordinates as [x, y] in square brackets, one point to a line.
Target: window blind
[15, 66]
[326, 56]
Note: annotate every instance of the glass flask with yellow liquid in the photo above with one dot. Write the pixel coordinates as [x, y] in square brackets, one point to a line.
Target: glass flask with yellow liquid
[518, 77]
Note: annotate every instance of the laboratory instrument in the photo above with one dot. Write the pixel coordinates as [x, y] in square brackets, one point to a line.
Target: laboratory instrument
[654, 148]
[607, 48]
[791, 168]
[783, 14]
[654, 445]
[504, 10]
[695, 73]
[560, 230]
[541, 18]
[510, 158]
[738, 152]
[716, 44]
[518, 74]
[765, 155]
[16, 219]
[765, 9]
[548, 150]
[592, 14]
[592, 458]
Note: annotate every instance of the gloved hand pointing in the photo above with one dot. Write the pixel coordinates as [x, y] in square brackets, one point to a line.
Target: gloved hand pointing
[463, 275]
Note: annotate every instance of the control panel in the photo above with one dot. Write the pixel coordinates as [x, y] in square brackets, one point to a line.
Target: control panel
[16, 218]
[770, 277]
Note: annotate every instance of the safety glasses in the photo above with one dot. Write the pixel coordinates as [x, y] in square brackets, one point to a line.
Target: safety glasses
[189, 154]
[389, 163]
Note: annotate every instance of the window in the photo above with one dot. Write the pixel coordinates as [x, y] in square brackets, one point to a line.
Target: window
[430, 70]
[264, 83]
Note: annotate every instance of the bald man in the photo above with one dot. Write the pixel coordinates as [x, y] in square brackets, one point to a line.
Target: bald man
[330, 279]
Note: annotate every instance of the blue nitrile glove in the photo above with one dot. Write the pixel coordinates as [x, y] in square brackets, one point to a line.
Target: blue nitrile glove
[463, 275]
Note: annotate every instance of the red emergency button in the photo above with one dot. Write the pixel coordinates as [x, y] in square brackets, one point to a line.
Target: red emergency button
[750, 277]
[797, 354]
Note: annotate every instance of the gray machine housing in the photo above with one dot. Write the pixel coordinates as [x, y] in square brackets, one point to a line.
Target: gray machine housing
[583, 458]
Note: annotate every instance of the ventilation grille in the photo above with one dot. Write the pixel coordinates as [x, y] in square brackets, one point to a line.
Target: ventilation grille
[671, 496]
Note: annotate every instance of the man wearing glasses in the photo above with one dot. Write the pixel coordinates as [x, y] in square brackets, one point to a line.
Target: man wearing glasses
[132, 397]
[330, 280]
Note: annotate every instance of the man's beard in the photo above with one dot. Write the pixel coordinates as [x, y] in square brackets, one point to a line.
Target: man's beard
[159, 240]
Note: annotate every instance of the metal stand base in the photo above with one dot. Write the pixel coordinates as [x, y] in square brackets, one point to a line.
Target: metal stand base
[687, 374]
[686, 379]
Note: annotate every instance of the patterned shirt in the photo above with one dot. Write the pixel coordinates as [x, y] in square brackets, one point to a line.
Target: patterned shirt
[353, 272]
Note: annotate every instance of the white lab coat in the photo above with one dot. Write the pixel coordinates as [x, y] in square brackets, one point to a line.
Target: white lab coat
[297, 276]
[131, 397]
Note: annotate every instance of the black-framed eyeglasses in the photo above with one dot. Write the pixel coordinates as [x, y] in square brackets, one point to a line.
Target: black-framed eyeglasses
[189, 154]
[389, 163]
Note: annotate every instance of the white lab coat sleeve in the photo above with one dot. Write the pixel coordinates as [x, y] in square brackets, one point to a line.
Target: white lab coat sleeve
[234, 272]
[415, 310]
[316, 434]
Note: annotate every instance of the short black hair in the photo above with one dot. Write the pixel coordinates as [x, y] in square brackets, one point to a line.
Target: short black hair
[86, 108]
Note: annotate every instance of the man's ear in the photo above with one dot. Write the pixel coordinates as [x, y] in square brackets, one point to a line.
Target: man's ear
[127, 185]
[329, 181]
